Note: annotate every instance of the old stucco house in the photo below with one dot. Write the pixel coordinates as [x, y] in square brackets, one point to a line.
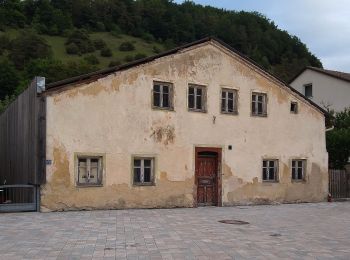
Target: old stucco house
[327, 88]
[197, 125]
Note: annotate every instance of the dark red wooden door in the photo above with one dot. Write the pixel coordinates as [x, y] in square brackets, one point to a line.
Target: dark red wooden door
[206, 179]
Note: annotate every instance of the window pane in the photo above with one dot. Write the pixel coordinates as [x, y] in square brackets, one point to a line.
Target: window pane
[137, 163]
[260, 108]
[199, 102]
[165, 89]
[191, 90]
[223, 105]
[82, 162]
[253, 108]
[264, 163]
[165, 100]
[156, 88]
[137, 174]
[230, 105]
[260, 98]
[230, 95]
[264, 174]
[156, 99]
[293, 163]
[147, 163]
[147, 175]
[223, 94]
[254, 97]
[199, 91]
[300, 163]
[300, 173]
[271, 174]
[191, 101]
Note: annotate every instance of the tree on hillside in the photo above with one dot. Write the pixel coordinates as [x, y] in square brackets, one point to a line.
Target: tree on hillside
[338, 140]
[8, 78]
[27, 46]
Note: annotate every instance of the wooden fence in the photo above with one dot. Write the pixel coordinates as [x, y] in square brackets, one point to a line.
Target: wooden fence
[339, 184]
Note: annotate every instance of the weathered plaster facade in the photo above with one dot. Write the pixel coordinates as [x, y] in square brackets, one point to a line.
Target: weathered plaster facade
[113, 116]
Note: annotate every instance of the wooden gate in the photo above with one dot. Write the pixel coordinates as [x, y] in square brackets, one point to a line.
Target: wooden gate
[339, 184]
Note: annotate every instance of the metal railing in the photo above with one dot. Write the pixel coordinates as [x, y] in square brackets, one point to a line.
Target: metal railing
[19, 197]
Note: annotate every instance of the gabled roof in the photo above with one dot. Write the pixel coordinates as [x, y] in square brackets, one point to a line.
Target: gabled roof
[332, 73]
[102, 73]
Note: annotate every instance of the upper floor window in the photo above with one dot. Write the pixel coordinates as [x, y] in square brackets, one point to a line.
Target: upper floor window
[89, 170]
[270, 170]
[197, 98]
[163, 95]
[259, 104]
[308, 90]
[143, 171]
[298, 170]
[229, 101]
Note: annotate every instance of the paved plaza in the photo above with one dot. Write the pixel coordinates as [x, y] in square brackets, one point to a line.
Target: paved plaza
[294, 231]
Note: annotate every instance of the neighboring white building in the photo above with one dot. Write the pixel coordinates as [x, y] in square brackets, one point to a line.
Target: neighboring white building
[327, 88]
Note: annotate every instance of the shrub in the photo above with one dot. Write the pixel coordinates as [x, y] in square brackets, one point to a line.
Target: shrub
[114, 63]
[92, 59]
[147, 37]
[126, 46]
[99, 44]
[139, 56]
[106, 52]
[72, 48]
[82, 39]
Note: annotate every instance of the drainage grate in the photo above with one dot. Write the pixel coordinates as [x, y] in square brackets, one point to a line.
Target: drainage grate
[233, 221]
[275, 235]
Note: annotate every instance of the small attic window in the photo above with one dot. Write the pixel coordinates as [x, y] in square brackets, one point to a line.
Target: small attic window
[308, 90]
[294, 107]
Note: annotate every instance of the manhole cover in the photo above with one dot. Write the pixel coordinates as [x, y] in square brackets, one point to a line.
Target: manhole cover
[233, 221]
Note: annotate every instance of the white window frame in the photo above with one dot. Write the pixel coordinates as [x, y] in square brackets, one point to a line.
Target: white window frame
[161, 92]
[142, 170]
[256, 104]
[295, 168]
[268, 167]
[224, 100]
[195, 95]
[100, 169]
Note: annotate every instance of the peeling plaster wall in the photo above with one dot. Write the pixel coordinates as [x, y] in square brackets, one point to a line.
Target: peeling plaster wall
[114, 116]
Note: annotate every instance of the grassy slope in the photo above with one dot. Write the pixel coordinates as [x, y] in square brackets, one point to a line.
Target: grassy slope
[57, 44]
[141, 46]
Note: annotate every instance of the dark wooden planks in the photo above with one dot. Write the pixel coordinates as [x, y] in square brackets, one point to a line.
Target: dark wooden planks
[22, 139]
[339, 183]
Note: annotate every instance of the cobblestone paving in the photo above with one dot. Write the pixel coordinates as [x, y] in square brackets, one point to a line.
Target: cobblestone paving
[297, 231]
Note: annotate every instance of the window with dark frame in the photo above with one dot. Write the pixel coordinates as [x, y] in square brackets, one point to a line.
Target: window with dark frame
[196, 98]
[298, 170]
[259, 104]
[308, 90]
[270, 170]
[143, 171]
[229, 101]
[163, 95]
[89, 170]
[294, 107]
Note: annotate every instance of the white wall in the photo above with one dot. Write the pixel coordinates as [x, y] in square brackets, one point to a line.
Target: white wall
[327, 90]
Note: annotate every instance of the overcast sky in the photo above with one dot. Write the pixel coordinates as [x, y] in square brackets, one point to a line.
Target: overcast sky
[323, 25]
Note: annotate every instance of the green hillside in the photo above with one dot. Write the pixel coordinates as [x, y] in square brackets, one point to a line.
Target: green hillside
[64, 38]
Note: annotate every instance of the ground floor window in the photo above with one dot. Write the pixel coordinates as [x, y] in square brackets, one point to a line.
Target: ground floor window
[89, 170]
[143, 171]
[270, 170]
[298, 170]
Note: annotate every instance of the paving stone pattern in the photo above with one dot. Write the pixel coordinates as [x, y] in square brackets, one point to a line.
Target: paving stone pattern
[295, 231]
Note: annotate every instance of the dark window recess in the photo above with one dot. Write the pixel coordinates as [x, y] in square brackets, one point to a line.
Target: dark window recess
[163, 95]
[143, 171]
[259, 104]
[270, 170]
[298, 170]
[196, 98]
[294, 107]
[229, 101]
[308, 90]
